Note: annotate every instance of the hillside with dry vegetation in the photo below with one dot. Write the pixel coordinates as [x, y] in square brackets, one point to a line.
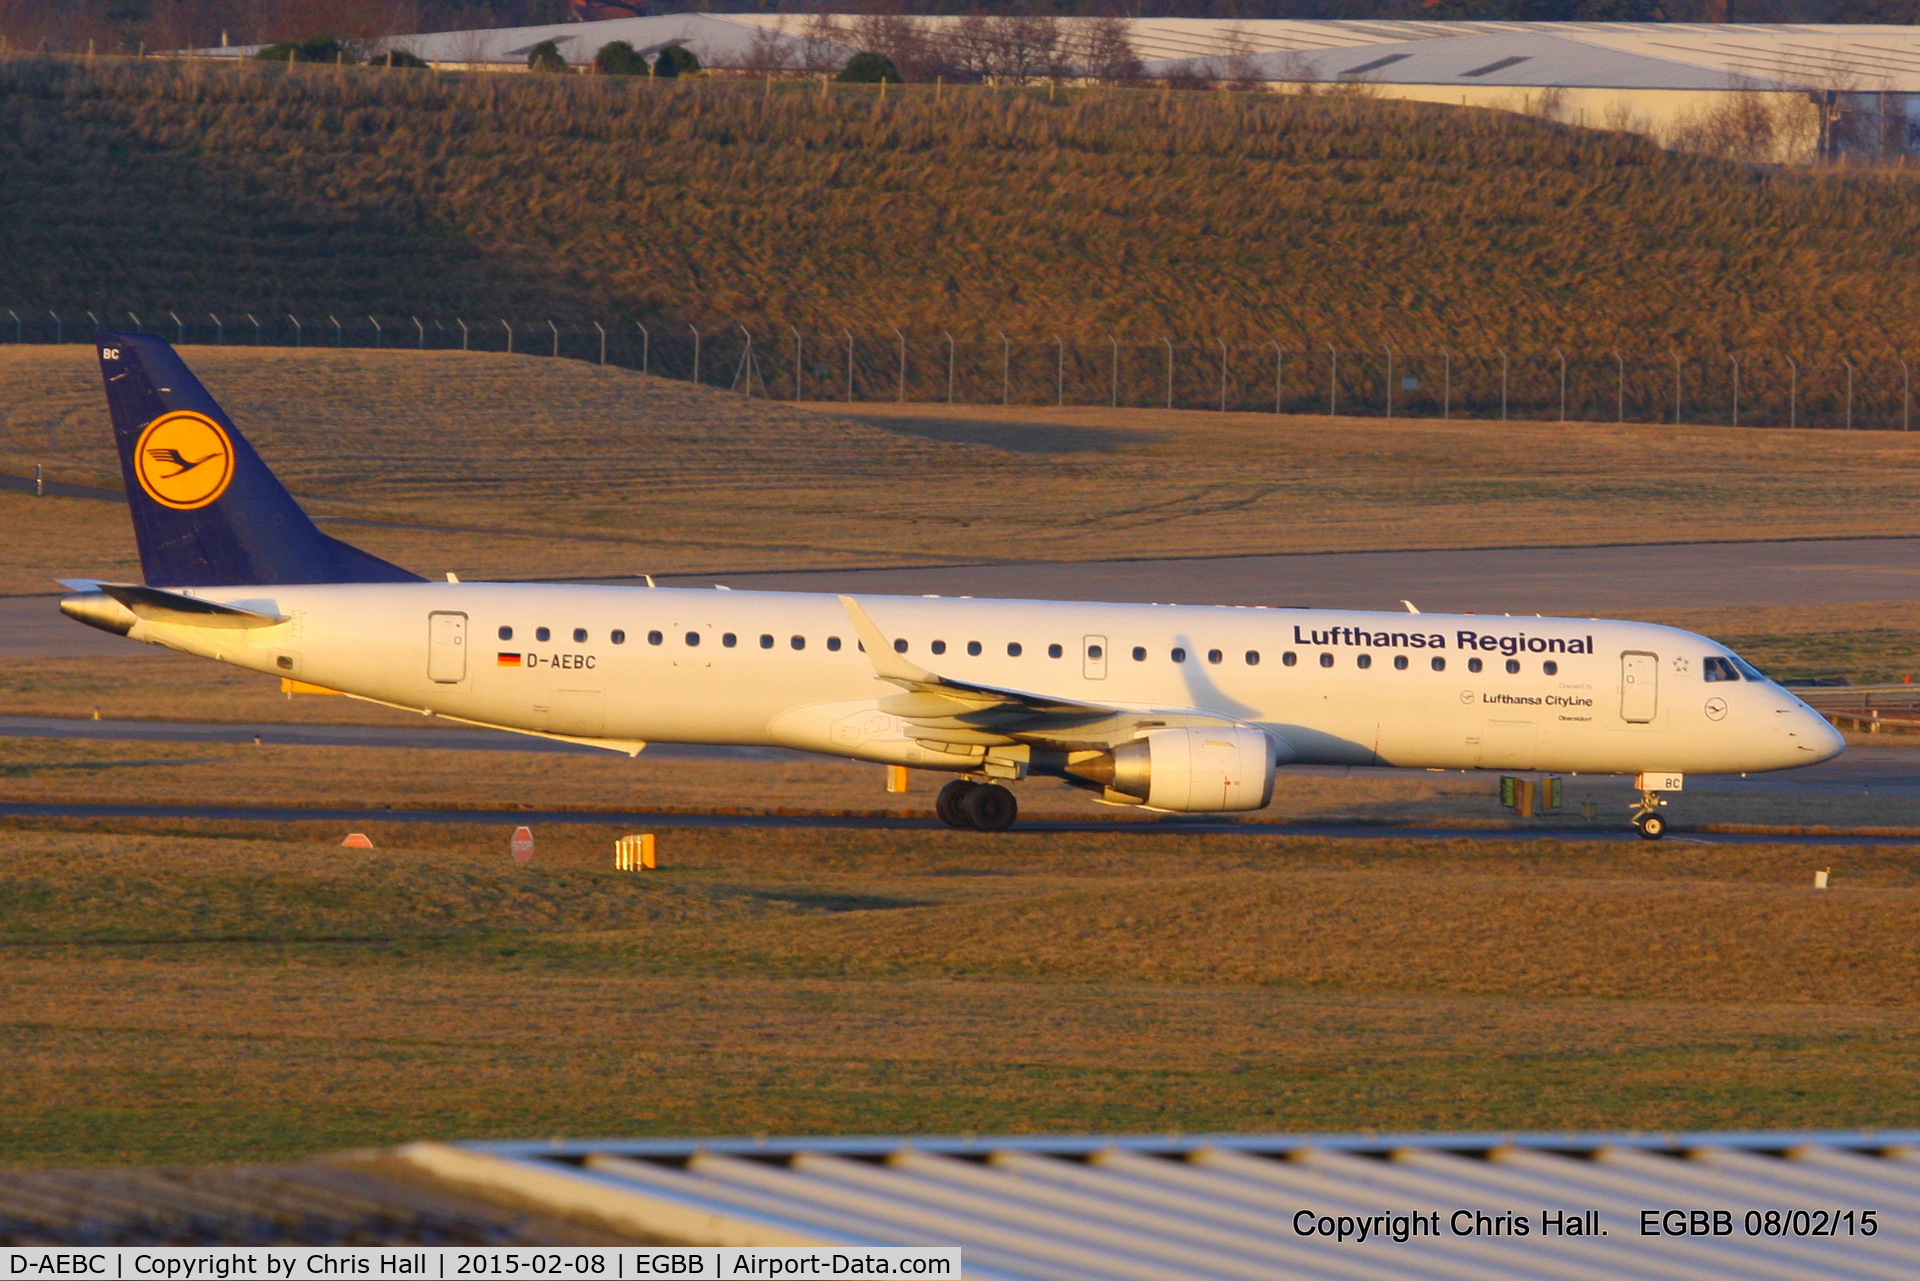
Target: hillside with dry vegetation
[199, 188]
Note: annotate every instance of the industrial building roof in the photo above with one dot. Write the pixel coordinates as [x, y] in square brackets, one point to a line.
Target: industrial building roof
[1586, 54]
[1200, 1208]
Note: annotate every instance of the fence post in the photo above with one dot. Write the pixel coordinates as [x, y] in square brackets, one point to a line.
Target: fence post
[420, 333]
[1503, 382]
[646, 348]
[601, 330]
[256, 329]
[377, 332]
[1169, 343]
[949, 338]
[556, 337]
[849, 334]
[1333, 381]
[798, 361]
[1676, 385]
[1563, 383]
[1446, 394]
[746, 364]
[1849, 365]
[179, 330]
[1389, 347]
[901, 396]
[1113, 393]
[1006, 365]
[1735, 361]
[1906, 386]
[1793, 393]
[1059, 371]
[1223, 374]
[696, 353]
[1620, 388]
[299, 330]
[1279, 367]
[463, 332]
[336, 332]
[219, 332]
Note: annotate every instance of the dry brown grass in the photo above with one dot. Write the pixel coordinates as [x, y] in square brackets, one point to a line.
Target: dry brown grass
[223, 995]
[540, 468]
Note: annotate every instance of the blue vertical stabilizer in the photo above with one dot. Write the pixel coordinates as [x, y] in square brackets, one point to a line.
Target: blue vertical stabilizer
[206, 510]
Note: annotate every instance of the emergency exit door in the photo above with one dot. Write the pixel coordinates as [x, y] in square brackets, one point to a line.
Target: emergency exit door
[447, 648]
[1639, 687]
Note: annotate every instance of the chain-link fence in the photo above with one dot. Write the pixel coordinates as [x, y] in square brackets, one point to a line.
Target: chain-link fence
[1745, 389]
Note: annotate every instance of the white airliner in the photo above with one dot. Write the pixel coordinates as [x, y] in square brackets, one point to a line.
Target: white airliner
[1174, 708]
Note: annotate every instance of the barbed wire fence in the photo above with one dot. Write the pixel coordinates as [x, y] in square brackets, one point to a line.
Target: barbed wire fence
[1738, 389]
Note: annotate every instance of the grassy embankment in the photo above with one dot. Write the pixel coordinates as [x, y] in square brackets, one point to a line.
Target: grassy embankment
[177, 995]
[260, 189]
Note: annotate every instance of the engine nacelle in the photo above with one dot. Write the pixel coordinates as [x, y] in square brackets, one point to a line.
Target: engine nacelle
[1205, 770]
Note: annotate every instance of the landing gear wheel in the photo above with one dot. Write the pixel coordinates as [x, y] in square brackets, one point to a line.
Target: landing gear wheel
[991, 807]
[951, 804]
[1652, 827]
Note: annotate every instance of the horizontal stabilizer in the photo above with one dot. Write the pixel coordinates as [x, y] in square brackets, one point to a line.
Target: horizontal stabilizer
[160, 606]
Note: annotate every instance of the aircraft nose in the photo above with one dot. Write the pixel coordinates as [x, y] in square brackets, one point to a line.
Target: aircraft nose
[1812, 731]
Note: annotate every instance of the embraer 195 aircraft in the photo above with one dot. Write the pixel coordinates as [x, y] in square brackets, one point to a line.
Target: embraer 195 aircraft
[1174, 708]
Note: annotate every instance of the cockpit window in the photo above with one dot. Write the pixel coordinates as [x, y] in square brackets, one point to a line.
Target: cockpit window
[1716, 668]
[1747, 669]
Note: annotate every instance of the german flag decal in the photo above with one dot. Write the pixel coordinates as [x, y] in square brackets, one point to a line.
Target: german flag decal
[509, 660]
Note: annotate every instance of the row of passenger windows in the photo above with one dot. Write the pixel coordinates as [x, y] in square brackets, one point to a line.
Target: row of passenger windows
[1094, 652]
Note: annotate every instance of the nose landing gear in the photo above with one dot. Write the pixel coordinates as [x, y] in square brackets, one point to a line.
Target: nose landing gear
[1647, 819]
[981, 807]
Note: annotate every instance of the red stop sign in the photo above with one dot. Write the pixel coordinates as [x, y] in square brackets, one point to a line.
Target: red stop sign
[522, 845]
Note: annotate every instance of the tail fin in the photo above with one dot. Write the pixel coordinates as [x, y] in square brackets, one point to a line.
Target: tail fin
[206, 510]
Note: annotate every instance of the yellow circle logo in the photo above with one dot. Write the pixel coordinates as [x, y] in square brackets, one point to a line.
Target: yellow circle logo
[184, 460]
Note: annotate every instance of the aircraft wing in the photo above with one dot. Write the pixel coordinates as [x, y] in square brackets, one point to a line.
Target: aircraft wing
[942, 709]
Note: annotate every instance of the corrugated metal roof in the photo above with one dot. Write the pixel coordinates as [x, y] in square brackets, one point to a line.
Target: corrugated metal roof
[1518, 58]
[1257, 1206]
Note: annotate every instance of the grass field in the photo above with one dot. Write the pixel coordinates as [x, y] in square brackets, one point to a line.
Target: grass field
[189, 995]
[523, 467]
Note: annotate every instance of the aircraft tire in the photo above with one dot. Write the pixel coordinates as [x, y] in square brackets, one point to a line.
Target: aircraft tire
[1652, 826]
[991, 808]
[951, 804]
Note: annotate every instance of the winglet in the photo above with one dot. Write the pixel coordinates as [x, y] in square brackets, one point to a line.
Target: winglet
[887, 665]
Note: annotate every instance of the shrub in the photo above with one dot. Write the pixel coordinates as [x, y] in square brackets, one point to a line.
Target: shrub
[868, 68]
[618, 58]
[545, 56]
[397, 58]
[675, 60]
[312, 49]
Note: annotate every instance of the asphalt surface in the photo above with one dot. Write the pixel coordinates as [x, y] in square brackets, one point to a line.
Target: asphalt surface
[1619, 581]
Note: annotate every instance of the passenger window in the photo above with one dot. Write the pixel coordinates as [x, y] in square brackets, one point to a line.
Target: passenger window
[541, 633]
[579, 635]
[1439, 664]
[900, 647]
[833, 643]
[1513, 666]
[618, 637]
[1253, 658]
[654, 638]
[729, 640]
[1718, 669]
[1214, 656]
[1179, 655]
[1288, 659]
[1096, 653]
[1013, 649]
[1139, 653]
[506, 633]
[1326, 660]
[1399, 662]
[1363, 661]
[1053, 651]
[1473, 664]
[693, 639]
[973, 649]
[1550, 667]
[938, 647]
[798, 642]
[766, 641]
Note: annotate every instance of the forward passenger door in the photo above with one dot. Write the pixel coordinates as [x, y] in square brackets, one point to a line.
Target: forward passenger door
[1639, 687]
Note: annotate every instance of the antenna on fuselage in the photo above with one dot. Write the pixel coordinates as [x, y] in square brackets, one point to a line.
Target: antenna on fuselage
[1410, 607]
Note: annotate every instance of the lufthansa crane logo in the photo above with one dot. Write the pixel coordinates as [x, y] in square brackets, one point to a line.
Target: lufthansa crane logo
[184, 460]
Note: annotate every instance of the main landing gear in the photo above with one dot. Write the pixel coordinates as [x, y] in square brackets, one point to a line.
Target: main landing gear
[983, 807]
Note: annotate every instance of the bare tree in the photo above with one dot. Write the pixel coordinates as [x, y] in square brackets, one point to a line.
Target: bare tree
[770, 51]
[1101, 51]
[824, 47]
[1239, 62]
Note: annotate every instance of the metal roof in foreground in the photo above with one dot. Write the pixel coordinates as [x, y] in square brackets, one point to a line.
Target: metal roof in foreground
[1177, 1208]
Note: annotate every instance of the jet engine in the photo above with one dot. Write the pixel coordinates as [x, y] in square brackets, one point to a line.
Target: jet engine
[1203, 770]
